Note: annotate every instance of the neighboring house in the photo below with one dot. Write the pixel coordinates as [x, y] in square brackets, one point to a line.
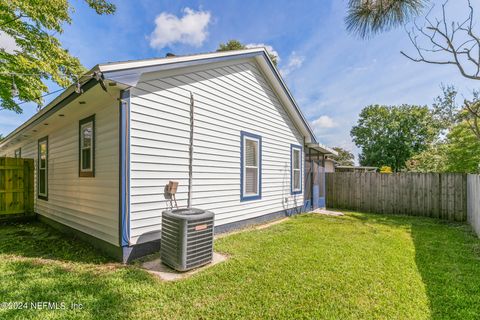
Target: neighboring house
[104, 155]
[330, 164]
[355, 169]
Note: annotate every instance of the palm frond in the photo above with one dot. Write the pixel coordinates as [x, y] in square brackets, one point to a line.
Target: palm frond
[366, 18]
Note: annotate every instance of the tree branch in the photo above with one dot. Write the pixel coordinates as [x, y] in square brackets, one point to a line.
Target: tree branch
[443, 40]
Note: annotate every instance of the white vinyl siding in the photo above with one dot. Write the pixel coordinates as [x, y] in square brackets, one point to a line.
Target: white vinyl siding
[229, 98]
[88, 205]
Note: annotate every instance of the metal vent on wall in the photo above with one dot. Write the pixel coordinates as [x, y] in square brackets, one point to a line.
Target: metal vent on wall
[187, 238]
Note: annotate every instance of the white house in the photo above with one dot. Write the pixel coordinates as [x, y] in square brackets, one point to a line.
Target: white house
[104, 154]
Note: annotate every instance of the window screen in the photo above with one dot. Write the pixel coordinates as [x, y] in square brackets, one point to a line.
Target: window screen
[251, 166]
[87, 147]
[296, 174]
[42, 168]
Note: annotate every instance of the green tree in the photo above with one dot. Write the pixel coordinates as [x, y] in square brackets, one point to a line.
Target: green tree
[390, 135]
[462, 150]
[34, 24]
[368, 17]
[445, 108]
[237, 45]
[344, 158]
[231, 45]
[433, 159]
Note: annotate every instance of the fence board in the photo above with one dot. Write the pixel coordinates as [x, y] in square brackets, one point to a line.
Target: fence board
[473, 201]
[435, 195]
[16, 187]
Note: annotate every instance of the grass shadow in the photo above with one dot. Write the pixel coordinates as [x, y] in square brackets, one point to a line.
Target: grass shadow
[39, 264]
[37, 240]
[447, 256]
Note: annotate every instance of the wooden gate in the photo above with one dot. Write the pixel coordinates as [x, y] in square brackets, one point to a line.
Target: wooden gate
[16, 187]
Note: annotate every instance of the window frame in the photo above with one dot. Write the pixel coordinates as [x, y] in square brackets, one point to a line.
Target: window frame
[244, 136]
[292, 169]
[45, 195]
[19, 150]
[90, 173]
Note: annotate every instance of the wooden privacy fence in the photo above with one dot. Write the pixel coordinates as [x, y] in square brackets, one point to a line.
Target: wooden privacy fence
[436, 195]
[16, 187]
[473, 201]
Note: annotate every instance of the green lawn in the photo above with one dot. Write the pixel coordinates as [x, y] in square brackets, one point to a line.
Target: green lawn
[359, 266]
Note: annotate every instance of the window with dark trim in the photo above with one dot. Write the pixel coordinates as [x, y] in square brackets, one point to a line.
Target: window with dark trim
[251, 166]
[86, 143]
[295, 169]
[18, 153]
[42, 169]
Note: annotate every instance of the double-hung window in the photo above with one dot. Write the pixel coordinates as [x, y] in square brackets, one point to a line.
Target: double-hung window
[296, 169]
[42, 168]
[251, 166]
[18, 153]
[87, 147]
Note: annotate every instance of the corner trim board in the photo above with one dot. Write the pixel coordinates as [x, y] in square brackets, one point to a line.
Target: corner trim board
[124, 169]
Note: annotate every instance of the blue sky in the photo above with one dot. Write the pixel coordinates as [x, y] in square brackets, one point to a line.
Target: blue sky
[332, 74]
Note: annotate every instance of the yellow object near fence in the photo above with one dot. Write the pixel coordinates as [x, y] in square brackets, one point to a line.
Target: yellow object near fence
[16, 187]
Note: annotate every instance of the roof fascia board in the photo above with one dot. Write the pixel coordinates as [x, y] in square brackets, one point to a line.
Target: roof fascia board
[131, 76]
[114, 66]
[287, 95]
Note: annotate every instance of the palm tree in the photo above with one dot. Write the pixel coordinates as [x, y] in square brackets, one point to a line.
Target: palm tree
[369, 17]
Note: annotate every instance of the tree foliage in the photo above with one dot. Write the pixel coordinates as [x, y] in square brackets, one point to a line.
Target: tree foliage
[459, 152]
[462, 150]
[368, 17]
[237, 45]
[442, 41]
[433, 159]
[445, 108]
[39, 55]
[344, 158]
[390, 135]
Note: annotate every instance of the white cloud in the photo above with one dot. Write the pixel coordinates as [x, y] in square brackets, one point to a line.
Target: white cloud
[295, 61]
[323, 122]
[268, 47]
[8, 43]
[190, 29]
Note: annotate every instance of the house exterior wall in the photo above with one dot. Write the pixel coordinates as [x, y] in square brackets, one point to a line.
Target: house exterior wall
[87, 204]
[229, 98]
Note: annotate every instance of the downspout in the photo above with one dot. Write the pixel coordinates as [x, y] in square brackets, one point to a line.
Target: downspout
[190, 150]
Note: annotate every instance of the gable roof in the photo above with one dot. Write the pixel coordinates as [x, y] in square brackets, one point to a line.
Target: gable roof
[127, 73]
